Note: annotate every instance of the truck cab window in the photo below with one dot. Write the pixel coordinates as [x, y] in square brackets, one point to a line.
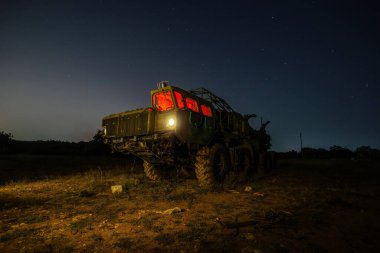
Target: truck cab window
[192, 104]
[179, 98]
[163, 101]
[206, 110]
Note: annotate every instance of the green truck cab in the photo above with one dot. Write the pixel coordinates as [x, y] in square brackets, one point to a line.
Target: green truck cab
[187, 129]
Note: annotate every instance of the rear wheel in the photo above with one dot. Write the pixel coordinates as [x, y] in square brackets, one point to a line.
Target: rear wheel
[153, 171]
[212, 165]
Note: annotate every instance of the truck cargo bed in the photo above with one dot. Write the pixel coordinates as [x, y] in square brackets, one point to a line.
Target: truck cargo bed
[129, 123]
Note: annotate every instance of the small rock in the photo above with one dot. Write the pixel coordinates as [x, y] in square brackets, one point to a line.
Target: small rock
[80, 217]
[248, 189]
[18, 225]
[116, 189]
[249, 236]
[136, 181]
[172, 210]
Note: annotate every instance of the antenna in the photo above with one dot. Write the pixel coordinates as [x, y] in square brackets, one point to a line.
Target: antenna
[301, 145]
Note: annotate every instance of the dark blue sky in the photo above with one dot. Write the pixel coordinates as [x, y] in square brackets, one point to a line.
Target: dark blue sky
[310, 66]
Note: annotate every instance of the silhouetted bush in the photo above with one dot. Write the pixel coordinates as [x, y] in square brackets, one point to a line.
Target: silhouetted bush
[97, 146]
[366, 152]
[340, 152]
[363, 152]
[5, 142]
[313, 153]
[51, 147]
[288, 155]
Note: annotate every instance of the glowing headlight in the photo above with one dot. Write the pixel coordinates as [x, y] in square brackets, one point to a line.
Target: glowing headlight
[171, 122]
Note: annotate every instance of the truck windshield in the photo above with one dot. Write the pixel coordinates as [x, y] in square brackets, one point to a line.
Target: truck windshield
[163, 101]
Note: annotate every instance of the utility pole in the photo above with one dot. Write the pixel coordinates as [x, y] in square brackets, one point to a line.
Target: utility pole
[301, 151]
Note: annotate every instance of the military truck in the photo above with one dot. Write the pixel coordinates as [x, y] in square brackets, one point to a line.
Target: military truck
[189, 129]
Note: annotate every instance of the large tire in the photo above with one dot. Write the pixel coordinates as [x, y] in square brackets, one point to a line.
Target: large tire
[212, 165]
[153, 171]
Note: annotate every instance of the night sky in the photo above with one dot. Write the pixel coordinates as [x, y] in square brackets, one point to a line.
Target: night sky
[307, 66]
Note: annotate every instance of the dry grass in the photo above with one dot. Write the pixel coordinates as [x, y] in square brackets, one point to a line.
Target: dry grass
[304, 206]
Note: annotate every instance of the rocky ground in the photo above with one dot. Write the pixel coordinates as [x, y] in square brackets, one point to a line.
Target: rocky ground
[302, 206]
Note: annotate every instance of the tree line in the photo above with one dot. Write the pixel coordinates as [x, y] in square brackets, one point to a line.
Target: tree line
[97, 147]
[362, 152]
[52, 147]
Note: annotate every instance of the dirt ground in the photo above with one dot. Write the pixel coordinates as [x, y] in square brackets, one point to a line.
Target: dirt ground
[65, 204]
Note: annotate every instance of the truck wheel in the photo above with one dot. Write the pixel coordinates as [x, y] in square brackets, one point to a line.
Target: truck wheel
[211, 165]
[152, 171]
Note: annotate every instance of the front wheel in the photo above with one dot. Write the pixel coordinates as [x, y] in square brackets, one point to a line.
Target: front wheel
[211, 165]
[153, 171]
